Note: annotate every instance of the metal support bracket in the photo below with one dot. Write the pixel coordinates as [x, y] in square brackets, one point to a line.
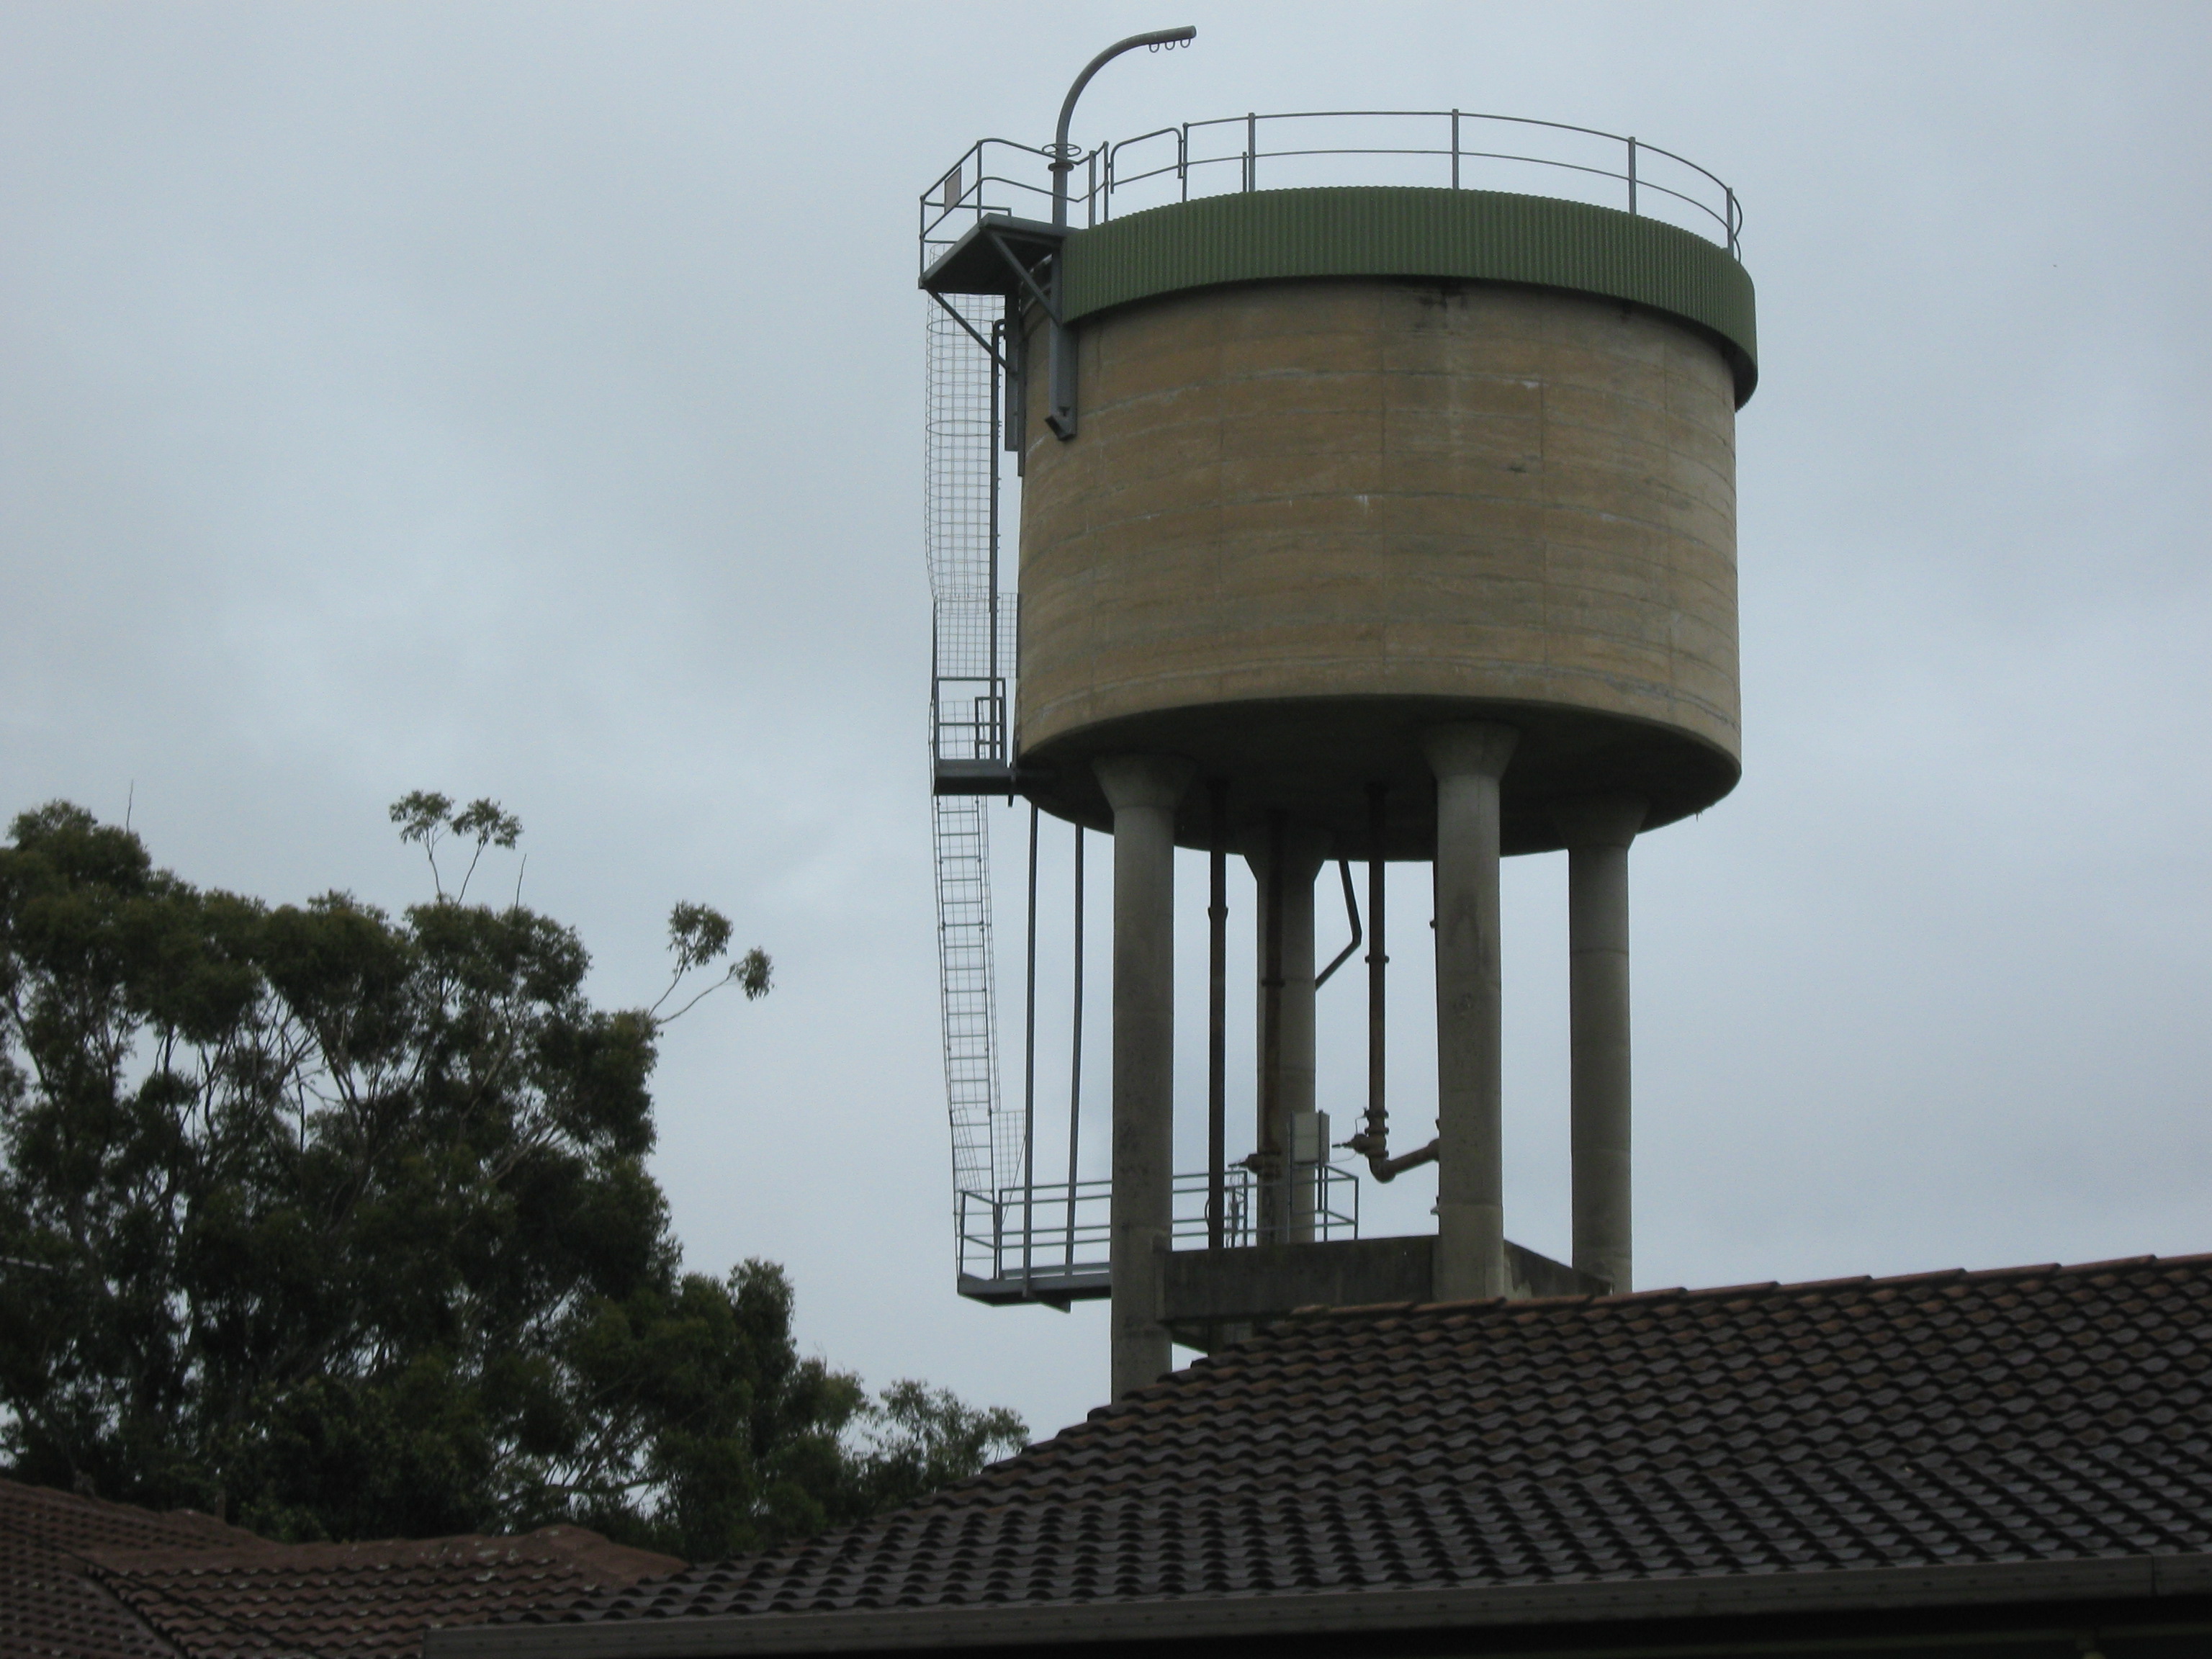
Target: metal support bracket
[975, 777]
[1061, 377]
[1004, 256]
[1049, 301]
[1060, 414]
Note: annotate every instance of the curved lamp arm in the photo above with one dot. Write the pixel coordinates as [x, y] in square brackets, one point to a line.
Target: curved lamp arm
[1060, 160]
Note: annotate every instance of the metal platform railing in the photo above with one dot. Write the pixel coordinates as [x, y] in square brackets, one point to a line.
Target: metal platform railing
[1450, 149]
[1049, 1243]
[974, 643]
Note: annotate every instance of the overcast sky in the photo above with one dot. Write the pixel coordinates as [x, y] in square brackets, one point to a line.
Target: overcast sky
[524, 401]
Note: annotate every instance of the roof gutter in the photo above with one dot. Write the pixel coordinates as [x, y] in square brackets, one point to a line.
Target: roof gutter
[2020, 1586]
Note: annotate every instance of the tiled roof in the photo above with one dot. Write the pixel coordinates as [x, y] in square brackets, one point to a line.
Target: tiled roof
[48, 1606]
[359, 1598]
[84, 1579]
[65, 1521]
[2037, 1415]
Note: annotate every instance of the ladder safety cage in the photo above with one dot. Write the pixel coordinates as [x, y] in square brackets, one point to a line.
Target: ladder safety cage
[972, 414]
[970, 650]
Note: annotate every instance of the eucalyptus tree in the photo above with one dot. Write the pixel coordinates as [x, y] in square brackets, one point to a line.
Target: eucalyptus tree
[339, 1224]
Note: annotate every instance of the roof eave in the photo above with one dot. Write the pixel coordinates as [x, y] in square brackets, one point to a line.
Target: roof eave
[2017, 1585]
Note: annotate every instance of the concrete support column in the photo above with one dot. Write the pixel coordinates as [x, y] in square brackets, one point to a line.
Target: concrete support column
[1469, 759]
[1143, 790]
[1598, 833]
[1286, 1203]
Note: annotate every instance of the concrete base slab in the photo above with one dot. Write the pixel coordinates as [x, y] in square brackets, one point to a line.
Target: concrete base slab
[1212, 1298]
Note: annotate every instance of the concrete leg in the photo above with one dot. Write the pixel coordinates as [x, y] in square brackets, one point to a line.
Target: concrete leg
[1286, 1203]
[1143, 790]
[1468, 760]
[1598, 833]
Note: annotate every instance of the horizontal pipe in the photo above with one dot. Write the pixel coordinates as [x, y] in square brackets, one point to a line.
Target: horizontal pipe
[1381, 1164]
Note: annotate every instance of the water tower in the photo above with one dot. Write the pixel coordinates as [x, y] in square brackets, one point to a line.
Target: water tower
[1377, 502]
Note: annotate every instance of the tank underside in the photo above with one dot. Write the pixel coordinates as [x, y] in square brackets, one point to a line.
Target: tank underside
[1316, 758]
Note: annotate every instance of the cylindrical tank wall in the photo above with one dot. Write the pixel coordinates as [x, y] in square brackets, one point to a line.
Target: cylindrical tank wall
[1304, 522]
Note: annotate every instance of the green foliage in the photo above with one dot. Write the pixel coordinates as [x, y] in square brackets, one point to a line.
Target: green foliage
[927, 1438]
[341, 1225]
[698, 936]
[425, 817]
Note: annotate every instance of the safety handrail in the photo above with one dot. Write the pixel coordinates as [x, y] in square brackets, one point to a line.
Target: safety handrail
[1053, 1230]
[998, 175]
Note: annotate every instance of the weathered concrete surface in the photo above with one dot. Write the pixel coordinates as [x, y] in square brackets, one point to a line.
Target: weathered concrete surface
[1144, 790]
[1598, 833]
[1306, 520]
[1535, 1275]
[1469, 760]
[1210, 1298]
[1266, 1281]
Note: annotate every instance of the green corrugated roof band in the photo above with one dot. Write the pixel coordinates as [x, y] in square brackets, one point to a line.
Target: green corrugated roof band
[1381, 231]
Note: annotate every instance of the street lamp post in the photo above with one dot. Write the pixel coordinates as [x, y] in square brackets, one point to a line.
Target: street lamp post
[1060, 413]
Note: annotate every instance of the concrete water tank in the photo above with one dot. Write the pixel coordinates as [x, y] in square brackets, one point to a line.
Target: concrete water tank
[1375, 523]
[1355, 463]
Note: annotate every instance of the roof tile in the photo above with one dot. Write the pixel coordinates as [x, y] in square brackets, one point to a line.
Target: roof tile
[365, 1598]
[2031, 1414]
[86, 1579]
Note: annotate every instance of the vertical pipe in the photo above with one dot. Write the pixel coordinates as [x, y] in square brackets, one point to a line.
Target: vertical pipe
[1632, 176]
[1014, 352]
[1469, 759]
[1598, 833]
[1217, 1018]
[1378, 1115]
[1075, 1057]
[1251, 151]
[1303, 855]
[1143, 790]
[1454, 150]
[1028, 1070]
[1182, 159]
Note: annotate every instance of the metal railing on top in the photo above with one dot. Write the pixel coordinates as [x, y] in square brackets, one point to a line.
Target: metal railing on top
[1454, 150]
